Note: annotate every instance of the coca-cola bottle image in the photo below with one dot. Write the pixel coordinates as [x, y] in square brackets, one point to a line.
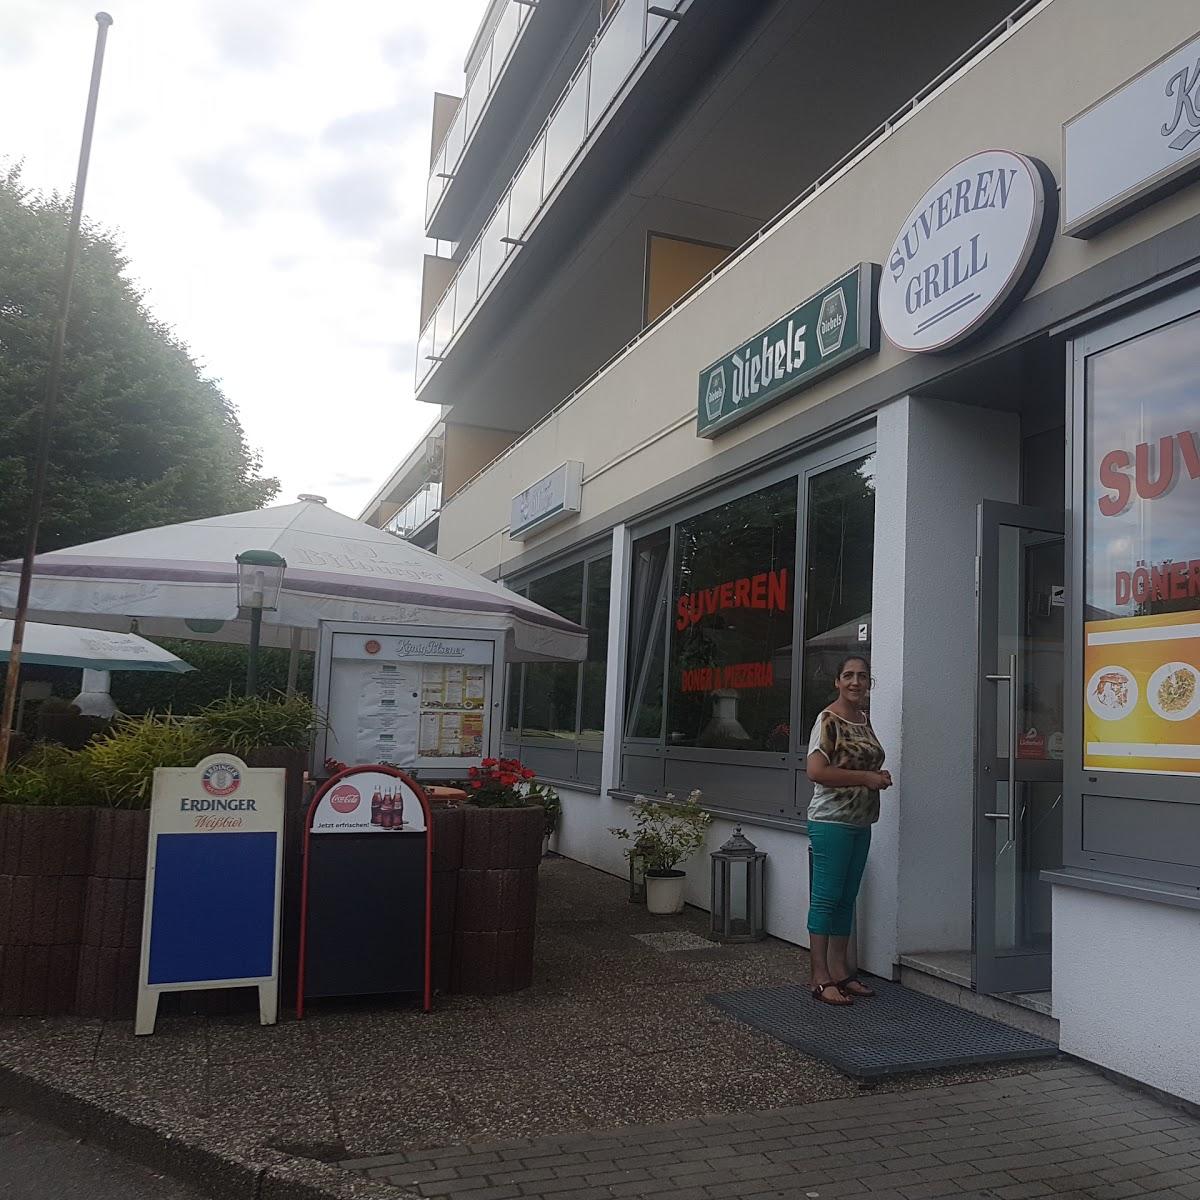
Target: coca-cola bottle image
[376, 806]
[398, 809]
[386, 812]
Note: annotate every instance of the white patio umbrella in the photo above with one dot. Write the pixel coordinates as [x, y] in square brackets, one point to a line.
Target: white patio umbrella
[91, 649]
[181, 581]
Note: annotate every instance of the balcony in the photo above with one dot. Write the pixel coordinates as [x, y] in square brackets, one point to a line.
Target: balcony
[416, 512]
[509, 69]
[629, 35]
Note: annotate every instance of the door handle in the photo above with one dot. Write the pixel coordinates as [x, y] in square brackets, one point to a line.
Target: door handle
[1011, 680]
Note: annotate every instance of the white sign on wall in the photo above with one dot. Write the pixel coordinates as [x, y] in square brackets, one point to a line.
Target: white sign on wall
[972, 246]
[1136, 143]
[550, 500]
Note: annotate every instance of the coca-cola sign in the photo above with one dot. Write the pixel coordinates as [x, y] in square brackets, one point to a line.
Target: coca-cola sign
[1134, 145]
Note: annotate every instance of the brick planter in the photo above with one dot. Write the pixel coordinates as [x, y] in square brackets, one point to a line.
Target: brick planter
[497, 900]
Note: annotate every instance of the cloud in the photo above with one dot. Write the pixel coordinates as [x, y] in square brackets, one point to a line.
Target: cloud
[224, 182]
[392, 124]
[256, 41]
[405, 48]
[357, 201]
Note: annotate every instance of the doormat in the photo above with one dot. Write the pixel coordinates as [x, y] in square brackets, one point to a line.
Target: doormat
[897, 1031]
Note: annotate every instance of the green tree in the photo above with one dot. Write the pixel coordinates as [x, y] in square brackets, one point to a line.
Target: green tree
[141, 436]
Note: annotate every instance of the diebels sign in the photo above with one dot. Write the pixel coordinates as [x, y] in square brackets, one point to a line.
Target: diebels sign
[1134, 145]
[968, 250]
[827, 332]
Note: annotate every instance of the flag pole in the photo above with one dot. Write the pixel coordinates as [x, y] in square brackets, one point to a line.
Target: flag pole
[50, 399]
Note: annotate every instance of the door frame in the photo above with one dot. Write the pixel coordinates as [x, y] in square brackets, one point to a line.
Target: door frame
[991, 972]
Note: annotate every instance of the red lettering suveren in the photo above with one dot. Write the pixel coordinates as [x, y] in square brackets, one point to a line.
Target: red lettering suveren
[767, 591]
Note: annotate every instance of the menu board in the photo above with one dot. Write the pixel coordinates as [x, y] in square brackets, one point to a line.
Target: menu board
[411, 701]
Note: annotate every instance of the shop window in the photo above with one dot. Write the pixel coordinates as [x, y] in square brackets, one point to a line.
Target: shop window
[554, 712]
[647, 635]
[729, 673]
[839, 553]
[1141, 653]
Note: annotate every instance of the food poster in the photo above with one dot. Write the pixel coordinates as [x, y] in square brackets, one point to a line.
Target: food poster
[1141, 676]
[452, 698]
[1143, 694]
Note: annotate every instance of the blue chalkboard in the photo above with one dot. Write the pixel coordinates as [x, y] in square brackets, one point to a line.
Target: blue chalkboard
[214, 907]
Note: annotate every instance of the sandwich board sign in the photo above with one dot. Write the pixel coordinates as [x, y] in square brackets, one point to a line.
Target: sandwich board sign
[213, 882]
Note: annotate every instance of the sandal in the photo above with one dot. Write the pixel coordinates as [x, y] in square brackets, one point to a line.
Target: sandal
[861, 989]
[818, 993]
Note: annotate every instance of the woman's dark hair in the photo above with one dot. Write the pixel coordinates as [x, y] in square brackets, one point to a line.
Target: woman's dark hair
[849, 658]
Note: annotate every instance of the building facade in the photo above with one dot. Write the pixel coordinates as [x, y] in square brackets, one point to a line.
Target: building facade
[823, 329]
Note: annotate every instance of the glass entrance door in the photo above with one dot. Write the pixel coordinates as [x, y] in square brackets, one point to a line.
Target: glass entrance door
[1019, 743]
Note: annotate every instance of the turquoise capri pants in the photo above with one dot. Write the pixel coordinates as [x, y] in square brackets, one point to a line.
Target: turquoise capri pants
[839, 854]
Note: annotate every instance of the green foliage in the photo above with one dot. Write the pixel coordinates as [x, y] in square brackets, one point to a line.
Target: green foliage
[665, 832]
[220, 673]
[247, 723]
[141, 437]
[120, 767]
[117, 769]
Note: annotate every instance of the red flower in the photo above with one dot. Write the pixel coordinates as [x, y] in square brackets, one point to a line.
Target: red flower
[473, 772]
[477, 785]
[526, 773]
[489, 762]
[508, 780]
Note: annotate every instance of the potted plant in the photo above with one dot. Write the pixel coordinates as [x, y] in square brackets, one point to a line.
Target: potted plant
[508, 783]
[665, 833]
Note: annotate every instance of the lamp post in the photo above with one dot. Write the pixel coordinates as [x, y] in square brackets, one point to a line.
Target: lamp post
[260, 578]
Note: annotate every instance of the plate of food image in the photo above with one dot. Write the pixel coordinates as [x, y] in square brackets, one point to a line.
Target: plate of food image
[1112, 693]
[1174, 691]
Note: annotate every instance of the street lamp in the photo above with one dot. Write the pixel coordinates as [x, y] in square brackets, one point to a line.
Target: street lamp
[260, 578]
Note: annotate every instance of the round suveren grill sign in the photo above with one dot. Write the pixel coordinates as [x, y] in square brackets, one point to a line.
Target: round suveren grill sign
[973, 243]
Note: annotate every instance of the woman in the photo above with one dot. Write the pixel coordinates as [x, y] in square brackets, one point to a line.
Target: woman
[844, 761]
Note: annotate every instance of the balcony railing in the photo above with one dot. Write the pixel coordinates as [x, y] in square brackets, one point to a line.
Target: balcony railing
[488, 71]
[1024, 12]
[416, 511]
[622, 42]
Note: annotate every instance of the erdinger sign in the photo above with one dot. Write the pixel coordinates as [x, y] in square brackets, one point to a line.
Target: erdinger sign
[968, 251]
[213, 878]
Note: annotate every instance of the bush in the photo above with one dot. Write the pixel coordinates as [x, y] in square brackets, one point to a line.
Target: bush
[117, 769]
[666, 832]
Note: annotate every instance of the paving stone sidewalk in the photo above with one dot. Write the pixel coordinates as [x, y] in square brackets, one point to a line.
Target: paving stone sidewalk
[1062, 1131]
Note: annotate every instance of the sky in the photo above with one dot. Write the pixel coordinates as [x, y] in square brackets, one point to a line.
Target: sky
[264, 163]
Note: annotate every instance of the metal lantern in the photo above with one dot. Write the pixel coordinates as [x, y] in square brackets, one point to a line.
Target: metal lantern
[637, 873]
[737, 891]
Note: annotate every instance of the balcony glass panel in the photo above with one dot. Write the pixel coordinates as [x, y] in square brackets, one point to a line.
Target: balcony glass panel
[456, 137]
[619, 48]
[492, 250]
[433, 192]
[424, 350]
[527, 190]
[653, 23]
[418, 509]
[566, 132]
[466, 287]
[504, 37]
[443, 326]
[478, 89]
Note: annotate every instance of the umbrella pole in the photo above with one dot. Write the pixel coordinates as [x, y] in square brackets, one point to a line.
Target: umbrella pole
[293, 662]
[42, 453]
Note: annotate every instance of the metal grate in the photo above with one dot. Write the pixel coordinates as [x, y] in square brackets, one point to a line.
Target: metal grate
[898, 1031]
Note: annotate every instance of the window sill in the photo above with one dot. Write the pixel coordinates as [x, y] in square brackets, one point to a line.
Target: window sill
[574, 785]
[1125, 885]
[741, 816]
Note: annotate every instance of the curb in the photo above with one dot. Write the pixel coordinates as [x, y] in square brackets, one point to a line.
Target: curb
[221, 1173]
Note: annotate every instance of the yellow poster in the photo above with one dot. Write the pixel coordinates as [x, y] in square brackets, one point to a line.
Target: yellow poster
[1142, 693]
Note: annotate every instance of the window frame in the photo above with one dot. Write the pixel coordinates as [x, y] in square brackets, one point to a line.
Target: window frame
[1117, 787]
[529, 750]
[746, 767]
